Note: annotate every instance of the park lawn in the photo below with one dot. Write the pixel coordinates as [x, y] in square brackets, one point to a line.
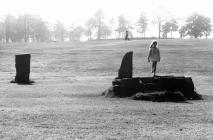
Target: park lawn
[66, 103]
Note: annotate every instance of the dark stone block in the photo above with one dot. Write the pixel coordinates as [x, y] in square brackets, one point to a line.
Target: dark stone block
[126, 87]
[176, 96]
[160, 88]
[125, 70]
[124, 91]
[22, 64]
[170, 83]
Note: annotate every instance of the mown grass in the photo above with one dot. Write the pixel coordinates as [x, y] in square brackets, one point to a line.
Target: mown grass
[66, 103]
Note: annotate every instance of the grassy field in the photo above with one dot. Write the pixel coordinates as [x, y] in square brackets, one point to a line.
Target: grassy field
[66, 103]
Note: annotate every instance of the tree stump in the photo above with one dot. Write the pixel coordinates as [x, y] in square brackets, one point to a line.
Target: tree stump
[22, 64]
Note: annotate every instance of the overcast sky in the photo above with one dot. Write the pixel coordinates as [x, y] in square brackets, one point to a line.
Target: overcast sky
[77, 11]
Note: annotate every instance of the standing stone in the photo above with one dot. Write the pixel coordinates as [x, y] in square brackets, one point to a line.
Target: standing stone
[22, 64]
[127, 35]
[125, 70]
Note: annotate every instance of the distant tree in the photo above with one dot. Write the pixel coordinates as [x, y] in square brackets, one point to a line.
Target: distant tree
[160, 16]
[159, 19]
[106, 31]
[59, 31]
[9, 23]
[198, 25]
[76, 33]
[27, 27]
[2, 32]
[40, 30]
[123, 25]
[21, 30]
[24, 27]
[90, 26]
[142, 23]
[182, 31]
[112, 25]
[173, 26]
[169, 26]
[17, 34]
[207, 27]
[99, 17]
[166, 29]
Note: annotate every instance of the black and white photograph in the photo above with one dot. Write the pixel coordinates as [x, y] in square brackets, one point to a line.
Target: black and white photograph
[106, 70]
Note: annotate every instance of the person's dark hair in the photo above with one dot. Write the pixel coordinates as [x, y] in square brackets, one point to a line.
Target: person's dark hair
[153, 42]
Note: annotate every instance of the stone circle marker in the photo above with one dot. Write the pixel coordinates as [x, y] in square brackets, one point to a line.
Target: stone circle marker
[158, 88]
[125, 70]
[22, 64]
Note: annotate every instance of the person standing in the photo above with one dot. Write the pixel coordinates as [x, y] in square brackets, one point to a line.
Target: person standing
[127, 35]
[154, 55]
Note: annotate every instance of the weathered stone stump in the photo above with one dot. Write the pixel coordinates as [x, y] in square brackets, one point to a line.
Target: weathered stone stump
[161, 88]
[22, 64]
[126, 87]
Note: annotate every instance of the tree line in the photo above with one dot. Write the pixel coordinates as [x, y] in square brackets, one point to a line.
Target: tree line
[25, 28]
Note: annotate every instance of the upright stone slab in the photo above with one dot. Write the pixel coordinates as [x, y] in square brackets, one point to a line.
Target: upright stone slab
[125, 70]
[22, 64]
[127, 35]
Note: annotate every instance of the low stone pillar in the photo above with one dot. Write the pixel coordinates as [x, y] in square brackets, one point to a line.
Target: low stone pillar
[22, 64]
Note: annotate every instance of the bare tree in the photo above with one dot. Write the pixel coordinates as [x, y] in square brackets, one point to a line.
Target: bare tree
[182, 31]
[166, 29]
[112, 25]
[2, 32]
[173, 26]
[9, 23]
[169, 26]
[40, 31]
[142, 23]
[76, 32]
[123, 25]
[99, 17]
[90, 26]
[59, 31]
[161, 15]
[24, 27]
[106, 31]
